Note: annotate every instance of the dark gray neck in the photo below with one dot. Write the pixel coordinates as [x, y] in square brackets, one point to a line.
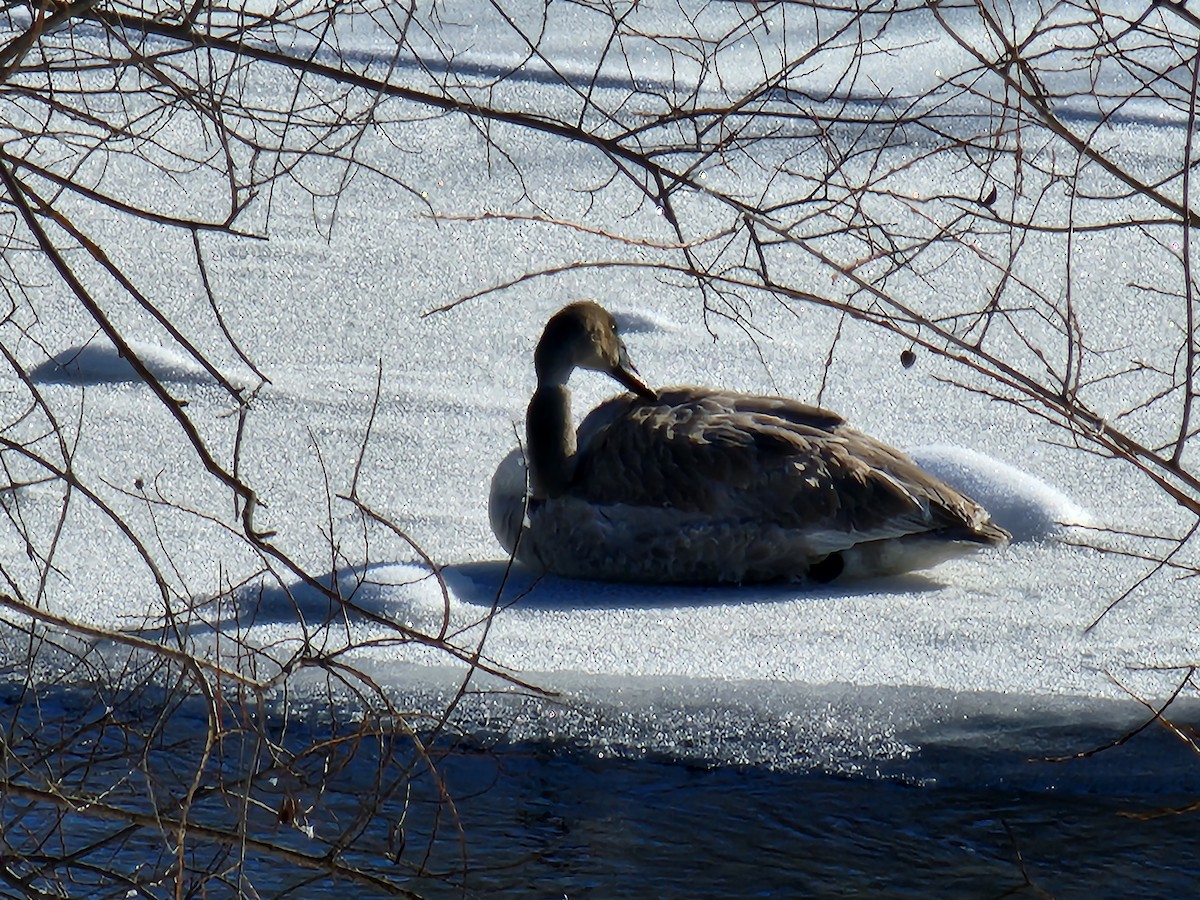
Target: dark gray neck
[550, 441]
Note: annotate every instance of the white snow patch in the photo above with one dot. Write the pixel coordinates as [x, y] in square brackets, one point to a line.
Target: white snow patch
[1028, 507]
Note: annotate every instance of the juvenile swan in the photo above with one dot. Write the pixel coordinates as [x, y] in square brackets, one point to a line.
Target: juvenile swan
[694, 485]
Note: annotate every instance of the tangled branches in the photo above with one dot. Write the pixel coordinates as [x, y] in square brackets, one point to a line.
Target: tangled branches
[1029, 177]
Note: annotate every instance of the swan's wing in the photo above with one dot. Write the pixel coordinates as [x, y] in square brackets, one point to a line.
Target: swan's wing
[684, 451]
[770, 460]
[876, 492]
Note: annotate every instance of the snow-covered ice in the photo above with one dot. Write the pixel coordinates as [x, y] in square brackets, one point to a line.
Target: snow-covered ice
[321, 317]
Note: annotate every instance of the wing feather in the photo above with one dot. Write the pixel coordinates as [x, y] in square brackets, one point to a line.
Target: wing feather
[767, 459]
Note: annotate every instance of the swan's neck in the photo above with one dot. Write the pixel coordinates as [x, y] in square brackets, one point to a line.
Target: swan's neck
[550, 441]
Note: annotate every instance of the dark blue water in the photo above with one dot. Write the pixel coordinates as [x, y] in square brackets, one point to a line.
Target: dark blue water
[578, 827]
[610, 801]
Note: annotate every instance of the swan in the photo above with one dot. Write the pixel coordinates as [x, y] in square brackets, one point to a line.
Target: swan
[692, 485]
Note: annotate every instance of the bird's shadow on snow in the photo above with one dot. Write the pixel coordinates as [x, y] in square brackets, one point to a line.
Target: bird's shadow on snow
[497, 582]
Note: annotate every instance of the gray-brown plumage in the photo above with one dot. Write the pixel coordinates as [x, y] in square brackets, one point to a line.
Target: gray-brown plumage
[694, 485]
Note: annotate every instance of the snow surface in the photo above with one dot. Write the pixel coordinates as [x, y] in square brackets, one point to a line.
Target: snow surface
[321, 318]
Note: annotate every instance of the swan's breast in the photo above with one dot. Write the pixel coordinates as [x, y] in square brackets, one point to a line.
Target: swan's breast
[507, 499]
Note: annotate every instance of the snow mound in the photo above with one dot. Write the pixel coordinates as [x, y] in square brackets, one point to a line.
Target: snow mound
[1028, 507]
[404, 592]
[643, 323]
[100, 362]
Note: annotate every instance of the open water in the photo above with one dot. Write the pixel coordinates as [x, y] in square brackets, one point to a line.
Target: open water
[600, 800]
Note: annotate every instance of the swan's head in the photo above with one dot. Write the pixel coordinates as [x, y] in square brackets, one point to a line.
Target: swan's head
[584, 336]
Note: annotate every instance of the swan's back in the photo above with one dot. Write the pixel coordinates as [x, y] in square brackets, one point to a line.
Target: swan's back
[778, 462]
[693, 449]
